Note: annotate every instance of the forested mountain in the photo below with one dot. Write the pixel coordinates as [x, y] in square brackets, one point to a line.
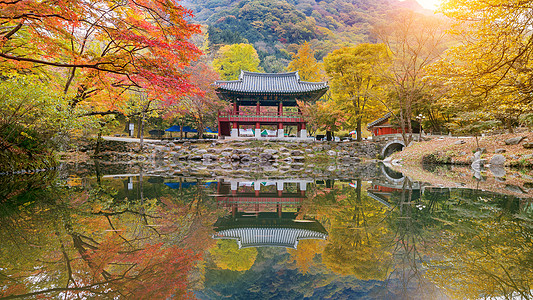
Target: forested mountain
[275, 27]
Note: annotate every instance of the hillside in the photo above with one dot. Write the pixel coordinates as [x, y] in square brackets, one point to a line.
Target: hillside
[276, 27]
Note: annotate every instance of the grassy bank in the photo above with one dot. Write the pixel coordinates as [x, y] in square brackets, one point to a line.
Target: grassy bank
[459, 151]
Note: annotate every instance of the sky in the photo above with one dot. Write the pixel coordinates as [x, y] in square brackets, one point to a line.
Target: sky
[429, 4]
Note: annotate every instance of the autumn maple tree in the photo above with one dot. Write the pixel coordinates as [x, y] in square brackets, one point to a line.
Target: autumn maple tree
[202, 107]
[323, 115]
[101, 49]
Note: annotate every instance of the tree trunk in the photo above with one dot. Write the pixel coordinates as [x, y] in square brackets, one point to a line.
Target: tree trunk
[358, 129]
[359, 182]
[141, 129]
[328, 135]
[98, 142]
[98, 172]
[200, 127]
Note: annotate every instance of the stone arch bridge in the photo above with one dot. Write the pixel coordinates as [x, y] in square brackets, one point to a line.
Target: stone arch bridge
[389, 147]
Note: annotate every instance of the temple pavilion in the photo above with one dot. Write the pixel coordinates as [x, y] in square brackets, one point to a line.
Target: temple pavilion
[274, 97]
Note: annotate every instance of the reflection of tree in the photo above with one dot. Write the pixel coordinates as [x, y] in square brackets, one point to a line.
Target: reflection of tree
[374, 242]
[304, 255]
[489, 250]
[406, 239]
[78, 243]
[357, 234]
[227, 255]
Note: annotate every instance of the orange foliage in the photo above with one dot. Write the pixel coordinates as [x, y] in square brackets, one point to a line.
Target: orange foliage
[105, 47]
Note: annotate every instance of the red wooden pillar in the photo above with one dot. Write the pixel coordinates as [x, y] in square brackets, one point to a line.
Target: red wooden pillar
[235, 108]
[278, 208]
[280, 109]
[258, 108]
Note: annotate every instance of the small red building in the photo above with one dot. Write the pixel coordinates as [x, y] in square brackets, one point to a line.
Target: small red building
[269, 93]
[383, 126]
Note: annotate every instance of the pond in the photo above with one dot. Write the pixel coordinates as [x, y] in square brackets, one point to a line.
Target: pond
[125, 235]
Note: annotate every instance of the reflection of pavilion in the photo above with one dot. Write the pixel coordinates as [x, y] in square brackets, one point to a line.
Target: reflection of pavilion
[263, 213]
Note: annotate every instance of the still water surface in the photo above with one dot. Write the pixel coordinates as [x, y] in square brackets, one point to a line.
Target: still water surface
[132, 236]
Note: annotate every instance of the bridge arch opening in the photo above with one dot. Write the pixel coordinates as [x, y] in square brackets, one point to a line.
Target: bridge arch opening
[391, 147]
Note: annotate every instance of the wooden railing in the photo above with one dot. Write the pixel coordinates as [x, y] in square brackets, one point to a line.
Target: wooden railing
[261, 114]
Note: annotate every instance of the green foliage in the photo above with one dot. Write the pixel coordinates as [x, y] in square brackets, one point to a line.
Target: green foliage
[282, 25]
[33, 115]
[234, 59]
[473, 123]
[527, 119]
[271, 64]
[436, 158]
[260, 20]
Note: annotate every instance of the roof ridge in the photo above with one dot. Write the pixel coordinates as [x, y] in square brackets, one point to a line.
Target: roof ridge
[379, 120]
[281, 83]
[284, 74]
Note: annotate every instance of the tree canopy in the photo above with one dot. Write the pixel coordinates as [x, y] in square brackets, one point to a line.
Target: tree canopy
[356, 77]
[309, 69]
[490, 69]
[232, 59]
[115, 46]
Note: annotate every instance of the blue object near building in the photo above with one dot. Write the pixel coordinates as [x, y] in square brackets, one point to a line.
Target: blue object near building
[176, 128]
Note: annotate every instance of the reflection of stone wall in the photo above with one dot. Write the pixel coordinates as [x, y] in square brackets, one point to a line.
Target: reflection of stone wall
[242, 159]
[251, 170]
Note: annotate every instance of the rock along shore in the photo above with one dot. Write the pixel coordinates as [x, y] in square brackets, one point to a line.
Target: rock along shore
[238, 158]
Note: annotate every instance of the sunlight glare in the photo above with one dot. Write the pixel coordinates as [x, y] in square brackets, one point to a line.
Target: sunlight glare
[429, 4]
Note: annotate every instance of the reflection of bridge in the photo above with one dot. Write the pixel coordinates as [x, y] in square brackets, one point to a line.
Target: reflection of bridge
[391, 182]
[264, 213]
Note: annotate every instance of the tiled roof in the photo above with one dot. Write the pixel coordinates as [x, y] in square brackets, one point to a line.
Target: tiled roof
[269, 237]
[379, 121]
[270, 83]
